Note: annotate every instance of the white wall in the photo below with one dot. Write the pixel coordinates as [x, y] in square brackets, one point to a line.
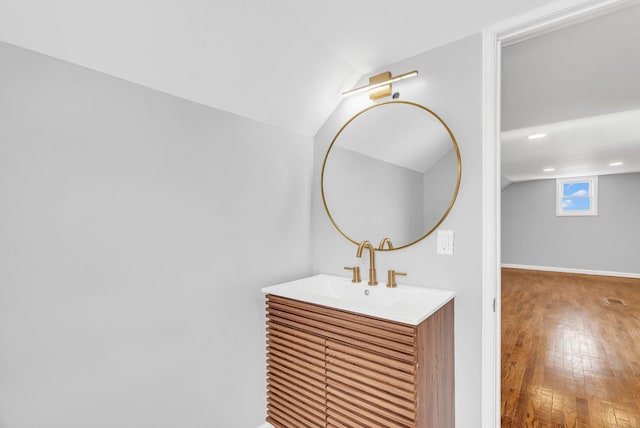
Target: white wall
[450, 84]
[136, 232]
[532, 234]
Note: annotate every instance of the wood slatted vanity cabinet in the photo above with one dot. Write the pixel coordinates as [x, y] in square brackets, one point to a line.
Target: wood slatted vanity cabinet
[332, 368]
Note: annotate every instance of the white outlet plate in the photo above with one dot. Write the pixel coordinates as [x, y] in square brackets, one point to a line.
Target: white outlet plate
[445, 242]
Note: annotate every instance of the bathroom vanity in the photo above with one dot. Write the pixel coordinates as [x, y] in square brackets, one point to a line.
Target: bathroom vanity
[345, 354]
[349, 355]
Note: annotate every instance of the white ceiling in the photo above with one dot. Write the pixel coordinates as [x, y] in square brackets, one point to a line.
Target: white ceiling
[280, 62]
[574, 148]
[580, 86]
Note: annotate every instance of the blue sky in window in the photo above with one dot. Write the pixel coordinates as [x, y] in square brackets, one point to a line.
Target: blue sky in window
[576, 204]
[575, 196]
[575, 190]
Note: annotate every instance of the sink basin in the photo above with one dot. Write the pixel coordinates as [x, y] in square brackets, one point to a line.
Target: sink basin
[405, 304]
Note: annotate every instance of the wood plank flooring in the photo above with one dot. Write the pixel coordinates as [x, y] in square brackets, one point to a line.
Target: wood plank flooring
[570, 350]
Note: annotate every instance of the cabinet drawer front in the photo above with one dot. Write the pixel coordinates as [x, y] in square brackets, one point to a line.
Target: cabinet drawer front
[363, 332]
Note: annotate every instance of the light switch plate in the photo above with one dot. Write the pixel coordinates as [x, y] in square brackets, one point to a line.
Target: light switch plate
[445, 242]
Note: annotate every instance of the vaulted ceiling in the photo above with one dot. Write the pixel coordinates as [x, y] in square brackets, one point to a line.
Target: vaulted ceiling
[280, 62]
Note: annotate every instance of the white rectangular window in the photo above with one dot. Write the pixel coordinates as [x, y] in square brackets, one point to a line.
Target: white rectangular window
[577, 196]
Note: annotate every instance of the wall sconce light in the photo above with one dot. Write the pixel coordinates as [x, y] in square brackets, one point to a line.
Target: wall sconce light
[380, 85]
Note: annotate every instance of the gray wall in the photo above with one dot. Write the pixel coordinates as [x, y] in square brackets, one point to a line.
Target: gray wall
[355, 182]
[532, 234]
[439, 185]
[136, 232]
[555, 77]
[450, 84]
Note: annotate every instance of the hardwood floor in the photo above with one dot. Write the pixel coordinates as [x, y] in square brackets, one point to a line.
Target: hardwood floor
[570, 350]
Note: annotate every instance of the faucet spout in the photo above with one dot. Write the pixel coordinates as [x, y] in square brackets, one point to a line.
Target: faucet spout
[372, 260]
[386, 241]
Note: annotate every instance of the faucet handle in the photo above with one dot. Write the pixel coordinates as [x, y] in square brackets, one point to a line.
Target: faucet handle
[356, 273]
[391, 278]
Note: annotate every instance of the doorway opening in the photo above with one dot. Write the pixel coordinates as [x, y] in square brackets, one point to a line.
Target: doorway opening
[542, 21]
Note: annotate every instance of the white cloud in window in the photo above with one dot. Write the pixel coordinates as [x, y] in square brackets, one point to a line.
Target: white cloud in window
[579, 194]
[567, 203]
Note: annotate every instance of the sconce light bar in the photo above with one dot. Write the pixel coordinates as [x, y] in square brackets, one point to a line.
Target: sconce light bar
[375, 83]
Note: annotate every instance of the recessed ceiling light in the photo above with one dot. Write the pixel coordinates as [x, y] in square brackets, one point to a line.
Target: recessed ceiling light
[536, 136]
[615, 164]
[549, 169]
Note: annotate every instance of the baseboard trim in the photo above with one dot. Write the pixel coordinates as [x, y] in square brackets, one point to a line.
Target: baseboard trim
[571, 270]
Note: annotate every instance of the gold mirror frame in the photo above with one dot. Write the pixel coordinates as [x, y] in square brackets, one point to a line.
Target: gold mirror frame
[453, 198]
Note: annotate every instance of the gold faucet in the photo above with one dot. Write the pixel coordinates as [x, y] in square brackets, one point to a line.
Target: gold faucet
[385, 241]
[356, 273]
[391, 278]
[372, 260]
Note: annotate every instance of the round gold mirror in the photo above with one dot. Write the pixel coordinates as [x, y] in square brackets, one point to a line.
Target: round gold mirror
[392, 171]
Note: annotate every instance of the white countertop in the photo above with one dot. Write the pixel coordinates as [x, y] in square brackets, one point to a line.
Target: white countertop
[405, 304]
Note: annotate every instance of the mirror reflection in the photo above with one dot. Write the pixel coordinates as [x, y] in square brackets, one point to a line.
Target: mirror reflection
[393, 170]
